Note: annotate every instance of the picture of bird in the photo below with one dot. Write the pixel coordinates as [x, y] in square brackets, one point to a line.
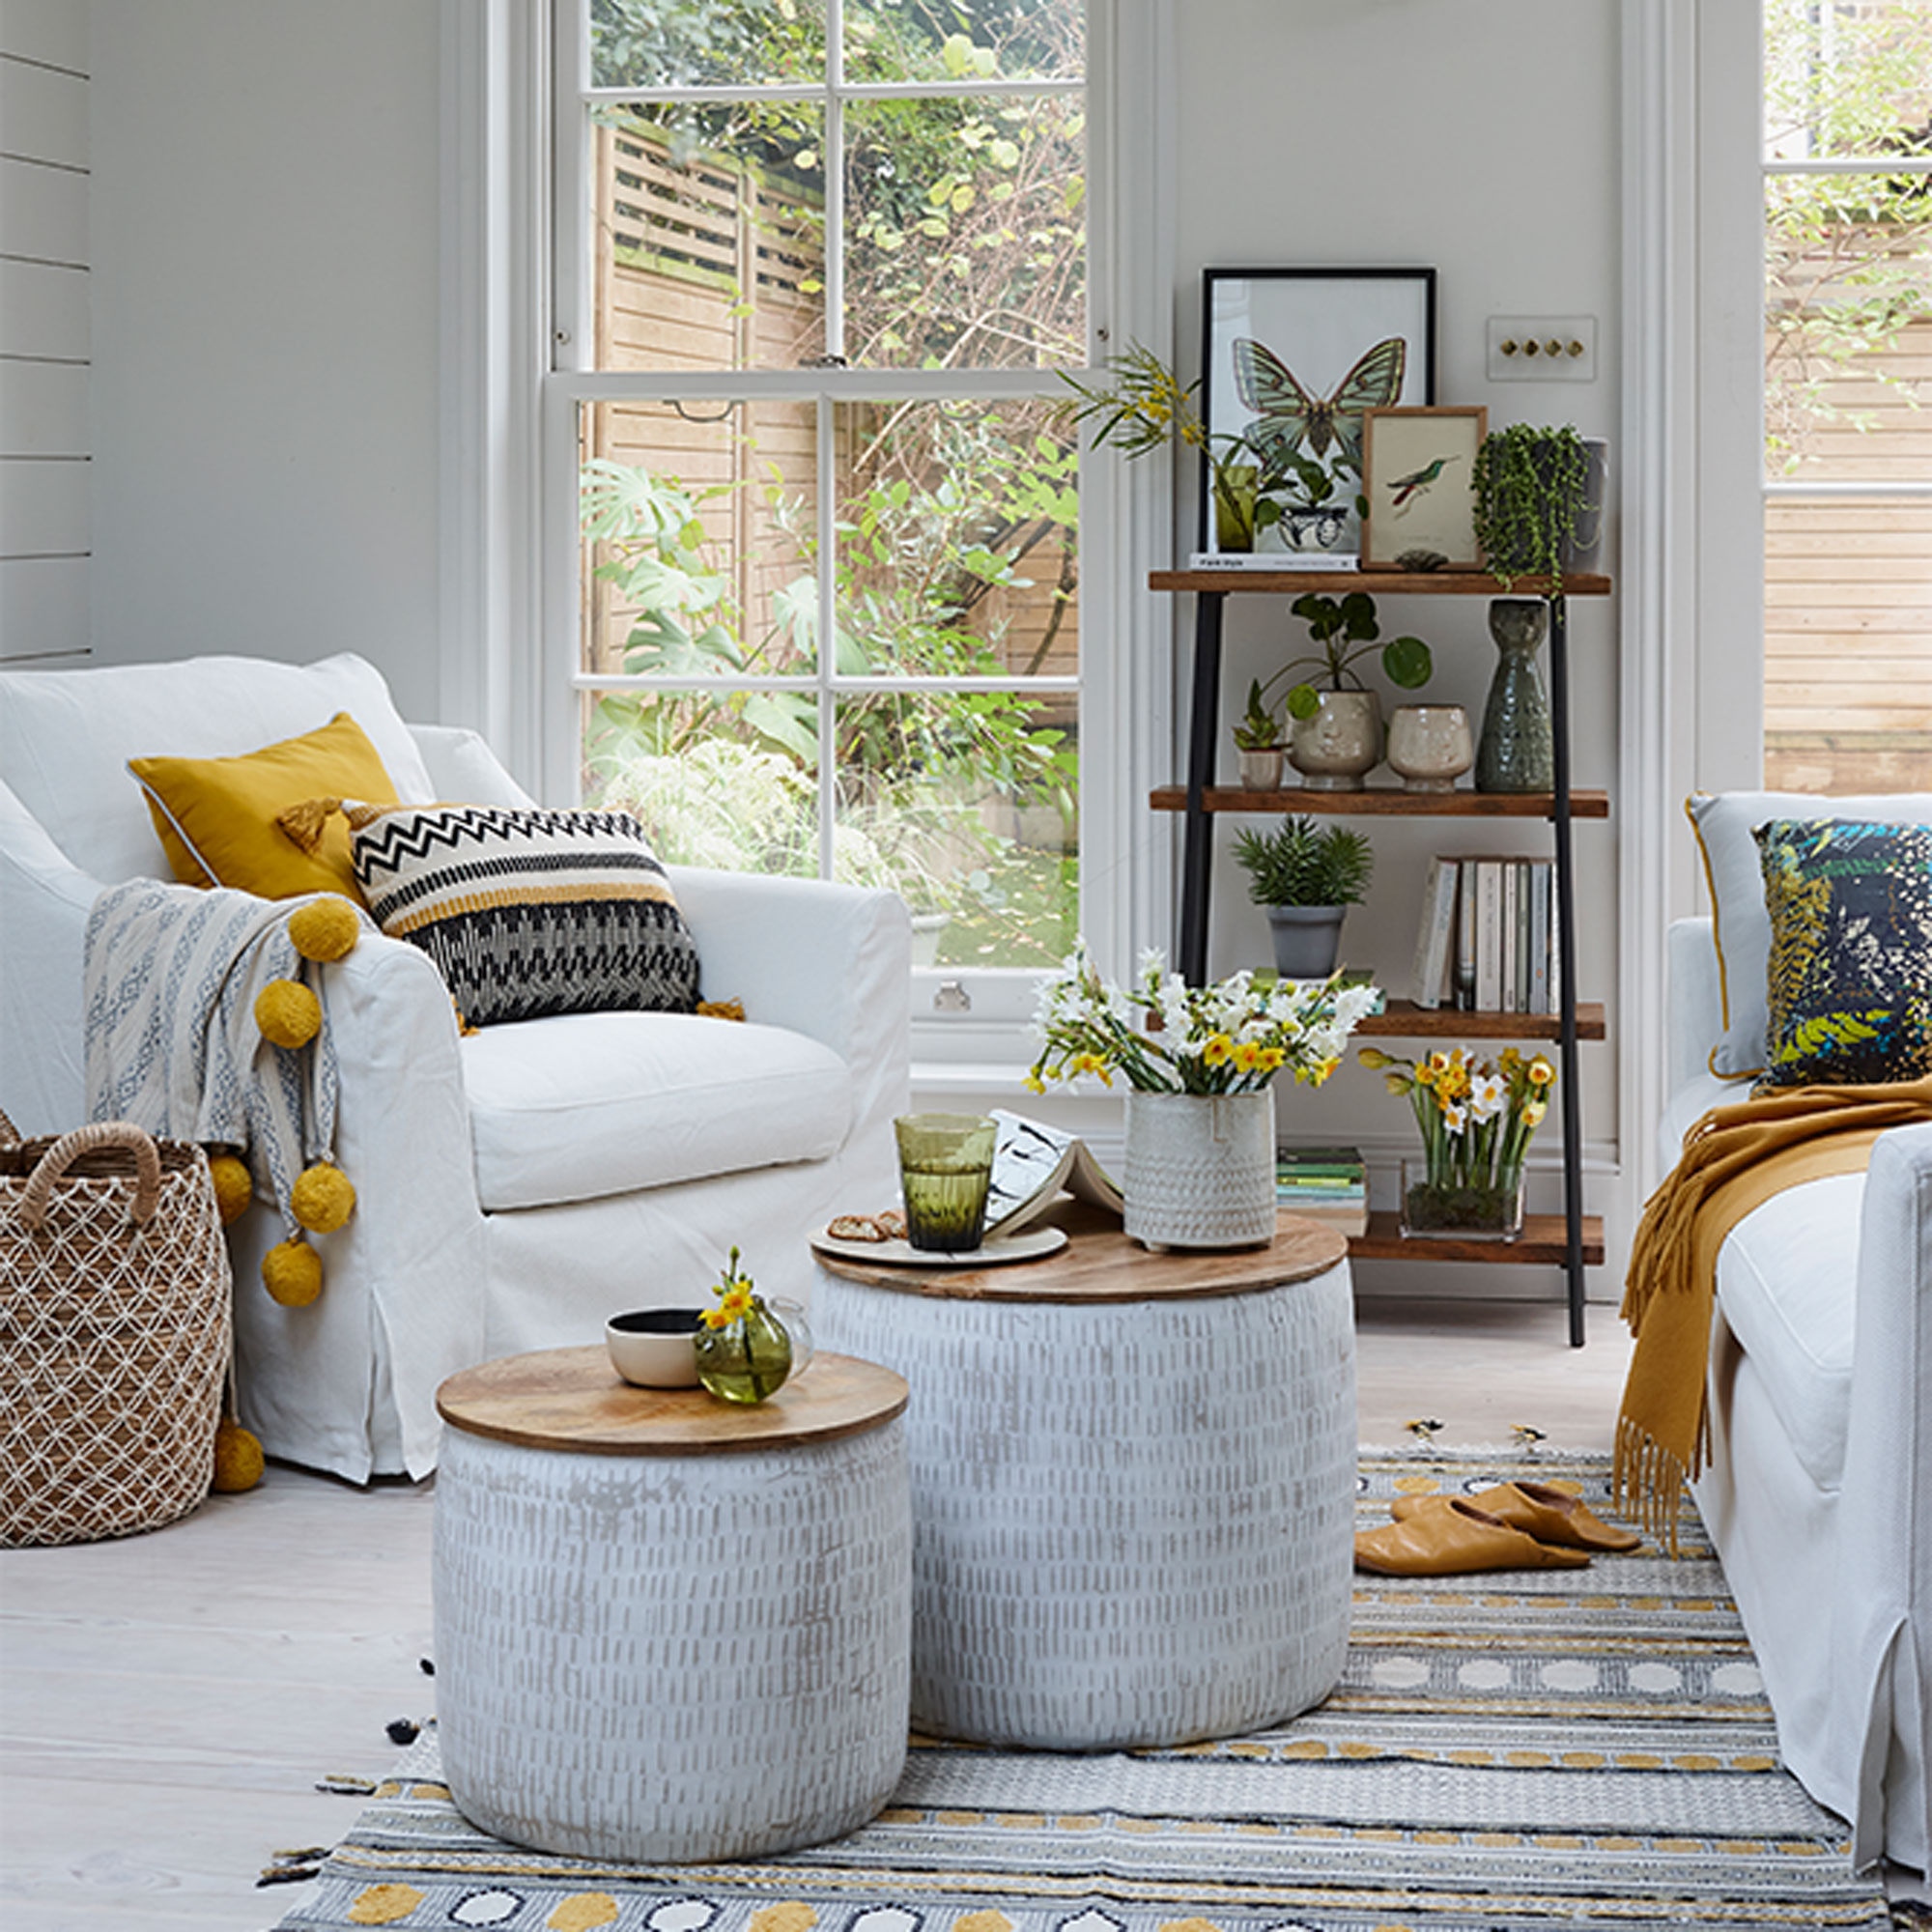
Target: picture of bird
[1286, 414]
[1404, 488]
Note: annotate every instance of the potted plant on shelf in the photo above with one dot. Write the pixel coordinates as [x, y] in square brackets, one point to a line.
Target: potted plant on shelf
[1307, 878]
[1336, 733]
[1257, 739]
[1539, 501]
[1310, 518]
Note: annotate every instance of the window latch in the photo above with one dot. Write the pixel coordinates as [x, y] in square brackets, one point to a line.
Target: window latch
[825, 363]
[951, 998]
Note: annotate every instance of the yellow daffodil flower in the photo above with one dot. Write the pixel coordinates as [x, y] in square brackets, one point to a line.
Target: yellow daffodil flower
[1217, 1050]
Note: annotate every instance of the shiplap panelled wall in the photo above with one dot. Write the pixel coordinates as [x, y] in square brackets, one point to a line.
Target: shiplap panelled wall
[45, 437]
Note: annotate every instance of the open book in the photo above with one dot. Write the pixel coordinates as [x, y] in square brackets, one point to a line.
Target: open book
[1032, 1163]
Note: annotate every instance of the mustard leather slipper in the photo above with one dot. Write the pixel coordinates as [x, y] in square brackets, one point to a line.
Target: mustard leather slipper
[1453, 1540]
[1550, 1515]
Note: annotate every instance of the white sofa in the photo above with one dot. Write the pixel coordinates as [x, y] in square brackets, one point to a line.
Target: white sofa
[1819, 1492]
[515, 1187]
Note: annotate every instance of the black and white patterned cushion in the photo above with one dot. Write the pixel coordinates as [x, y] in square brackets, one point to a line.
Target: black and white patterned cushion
[529, 912]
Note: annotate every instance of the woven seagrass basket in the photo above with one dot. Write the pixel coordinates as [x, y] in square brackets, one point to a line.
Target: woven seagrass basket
[114, 1332]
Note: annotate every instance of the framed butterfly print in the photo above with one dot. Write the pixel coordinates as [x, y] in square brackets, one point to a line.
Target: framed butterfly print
[1293, 359]
[1419, 477]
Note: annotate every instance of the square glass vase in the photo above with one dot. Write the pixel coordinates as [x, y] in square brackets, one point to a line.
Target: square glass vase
[1463, 1213]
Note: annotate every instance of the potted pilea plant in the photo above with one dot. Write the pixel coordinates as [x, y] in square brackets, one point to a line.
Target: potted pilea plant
[1336, 733]
[1539, 501]
[1308, 511]
[1257, 739]
[1307, 878]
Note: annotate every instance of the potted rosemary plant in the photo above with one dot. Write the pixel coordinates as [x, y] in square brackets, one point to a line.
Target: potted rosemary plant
[1307, 878]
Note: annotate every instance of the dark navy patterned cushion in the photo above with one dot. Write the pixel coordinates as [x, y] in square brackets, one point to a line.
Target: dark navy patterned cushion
[1850, 983]
[529, 912]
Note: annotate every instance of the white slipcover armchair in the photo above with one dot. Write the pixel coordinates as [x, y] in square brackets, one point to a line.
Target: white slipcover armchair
[514, 1187]
[1818, 1496]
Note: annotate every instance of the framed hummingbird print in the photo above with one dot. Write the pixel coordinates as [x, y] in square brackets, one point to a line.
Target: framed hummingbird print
[1419, 479]
[1292, 361]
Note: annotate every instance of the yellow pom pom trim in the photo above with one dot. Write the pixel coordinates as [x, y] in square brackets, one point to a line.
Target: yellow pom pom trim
[237, 1460]
[233, 1187]
[291, 1274]
[288, 1013]
[325, 929]
[322, 1198]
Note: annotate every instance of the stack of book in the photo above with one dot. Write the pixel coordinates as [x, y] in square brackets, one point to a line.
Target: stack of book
[1489, 938]
[1329, 1184]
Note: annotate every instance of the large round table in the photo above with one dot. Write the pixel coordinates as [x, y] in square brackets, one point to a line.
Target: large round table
[667, 1629]
[1133, 1481]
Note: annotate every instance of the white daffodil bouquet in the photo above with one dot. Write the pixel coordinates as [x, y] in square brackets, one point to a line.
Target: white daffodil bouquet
[1165, 1036]
[1476, 1117]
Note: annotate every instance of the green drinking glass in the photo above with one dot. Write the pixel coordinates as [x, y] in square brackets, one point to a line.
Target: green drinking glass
[945, 1166]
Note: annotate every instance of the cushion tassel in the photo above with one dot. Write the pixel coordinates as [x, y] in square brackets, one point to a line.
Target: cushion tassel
[303, 823]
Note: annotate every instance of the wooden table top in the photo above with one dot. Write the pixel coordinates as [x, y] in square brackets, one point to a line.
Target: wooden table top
[573, 1400]
[1100, 1264]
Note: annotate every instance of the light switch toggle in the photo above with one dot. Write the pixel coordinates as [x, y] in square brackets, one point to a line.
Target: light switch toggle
[1561, 348]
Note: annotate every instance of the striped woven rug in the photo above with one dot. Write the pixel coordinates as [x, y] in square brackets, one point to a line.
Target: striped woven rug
[1526, 1750]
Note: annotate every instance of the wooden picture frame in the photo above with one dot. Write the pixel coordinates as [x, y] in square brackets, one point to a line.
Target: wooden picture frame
[1308, 369]
[1419, 477]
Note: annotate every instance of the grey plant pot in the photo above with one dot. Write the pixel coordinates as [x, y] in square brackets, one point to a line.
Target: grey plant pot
[1307, 940]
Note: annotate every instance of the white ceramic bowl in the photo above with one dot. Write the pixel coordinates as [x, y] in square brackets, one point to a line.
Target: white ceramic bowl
[651, 1347]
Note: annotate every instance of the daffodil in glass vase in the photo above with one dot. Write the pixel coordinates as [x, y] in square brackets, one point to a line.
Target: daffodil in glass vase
[748, 1349]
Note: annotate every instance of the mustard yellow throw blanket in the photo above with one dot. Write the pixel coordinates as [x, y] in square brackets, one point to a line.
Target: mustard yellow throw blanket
[1735, 1159]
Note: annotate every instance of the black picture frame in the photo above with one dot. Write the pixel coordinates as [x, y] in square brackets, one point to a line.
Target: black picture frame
[1316, 328]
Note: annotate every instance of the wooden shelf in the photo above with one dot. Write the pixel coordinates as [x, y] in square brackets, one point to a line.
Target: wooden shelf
[1403, 1019]
[1542, 1243]
[1385, 802]
[1377, 582]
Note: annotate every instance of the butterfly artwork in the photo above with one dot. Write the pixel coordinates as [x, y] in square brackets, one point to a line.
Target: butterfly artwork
[1286, 414]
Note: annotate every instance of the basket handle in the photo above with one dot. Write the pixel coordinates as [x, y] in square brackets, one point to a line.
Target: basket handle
[52, 1164]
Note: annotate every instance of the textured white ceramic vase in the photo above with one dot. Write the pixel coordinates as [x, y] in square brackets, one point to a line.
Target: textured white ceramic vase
[1200, 1168]
[1429, 745]
[1336, 747]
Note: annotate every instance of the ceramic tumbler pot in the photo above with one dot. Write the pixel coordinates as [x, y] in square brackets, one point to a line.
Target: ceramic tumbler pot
[652, 1346]
[946, 1168]
[1335, 748]
[1429, 745]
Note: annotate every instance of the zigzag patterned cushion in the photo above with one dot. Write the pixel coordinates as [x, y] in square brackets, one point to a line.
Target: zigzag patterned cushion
[529, 912]
[1850, 982]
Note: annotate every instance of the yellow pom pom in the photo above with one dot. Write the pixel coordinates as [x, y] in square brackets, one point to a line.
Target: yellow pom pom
[288, 1013]
[325, 929]
[233, 1187]
[237, 1460]
[291, 1274]
[322, 1198]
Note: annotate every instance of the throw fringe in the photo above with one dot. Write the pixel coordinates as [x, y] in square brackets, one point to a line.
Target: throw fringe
[1647, 1480]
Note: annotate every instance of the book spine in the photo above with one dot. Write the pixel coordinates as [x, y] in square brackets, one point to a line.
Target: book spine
[1432, 939]
[1466, 934]
[1512, 894]
[1489, 935]
[1540, 1000]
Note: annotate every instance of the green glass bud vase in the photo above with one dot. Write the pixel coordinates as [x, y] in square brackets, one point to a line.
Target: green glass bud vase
[749, 1360]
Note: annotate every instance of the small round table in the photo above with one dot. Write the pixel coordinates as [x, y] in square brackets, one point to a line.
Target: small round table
[1133, 1481]
[667, 1629]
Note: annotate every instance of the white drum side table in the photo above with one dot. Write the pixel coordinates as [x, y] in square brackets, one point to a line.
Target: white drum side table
[1133, 1484]
[669, 1630]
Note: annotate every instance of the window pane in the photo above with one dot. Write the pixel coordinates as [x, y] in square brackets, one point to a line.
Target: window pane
[966, 807]
[697, 564]
[709, 237]
[941, 40]
[1847, 78]
[958, 527]
[1848, 365]
[1848, 644]
[965, 225]
[685, 42]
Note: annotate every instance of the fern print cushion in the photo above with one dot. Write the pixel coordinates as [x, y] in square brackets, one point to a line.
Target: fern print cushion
[1850, 981]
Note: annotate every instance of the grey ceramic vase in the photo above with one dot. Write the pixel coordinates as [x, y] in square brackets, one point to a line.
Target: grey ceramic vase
[1517, 750]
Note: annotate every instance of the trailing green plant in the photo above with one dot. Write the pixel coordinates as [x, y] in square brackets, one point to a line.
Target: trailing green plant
[1300, 864]
[1530, 501]
[1347, 629]
[1258, 729]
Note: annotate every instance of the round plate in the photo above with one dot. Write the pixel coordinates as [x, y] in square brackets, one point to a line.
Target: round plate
[1028, 1245]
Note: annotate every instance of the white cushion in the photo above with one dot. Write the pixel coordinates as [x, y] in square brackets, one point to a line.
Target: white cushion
[1723, 822]
[583, 1105]
[66, 737]
[1784, 1282]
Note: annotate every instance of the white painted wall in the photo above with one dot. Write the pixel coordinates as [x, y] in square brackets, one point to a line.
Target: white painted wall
[44, 517]
[264, 329]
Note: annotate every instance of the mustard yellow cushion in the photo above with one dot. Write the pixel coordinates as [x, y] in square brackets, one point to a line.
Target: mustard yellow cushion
[216, 817]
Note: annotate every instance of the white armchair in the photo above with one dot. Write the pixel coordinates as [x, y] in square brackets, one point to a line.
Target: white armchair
[514, 1187]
